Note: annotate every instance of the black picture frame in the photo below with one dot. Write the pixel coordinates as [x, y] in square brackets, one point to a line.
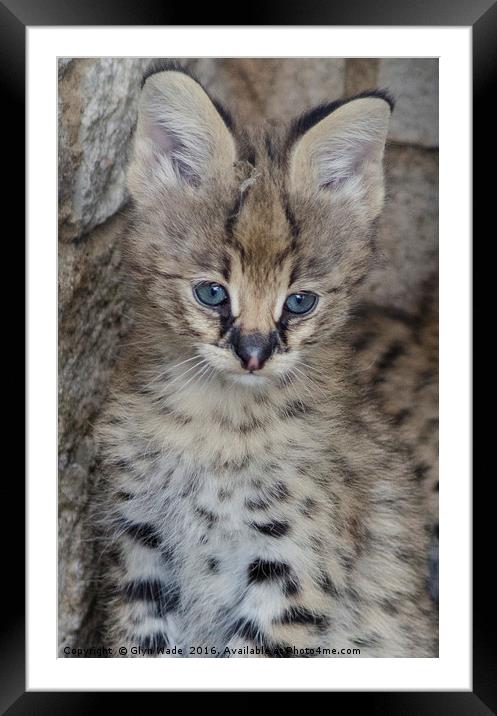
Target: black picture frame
[481, 15]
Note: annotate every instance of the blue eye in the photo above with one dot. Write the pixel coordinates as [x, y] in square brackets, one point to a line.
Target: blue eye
[210, 294]
[301, 302]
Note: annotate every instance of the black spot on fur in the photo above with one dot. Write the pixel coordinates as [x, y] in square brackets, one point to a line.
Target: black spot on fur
[247, 629]
[324, 582]
[124, 496]
[207, 515]
[263, 571]
[291, 586]
[213, 565]
[257, 503]
[272, 529]
[294, 409]
[353, 594]
[280, 491]
[143, 533]
[164, 597]
[346, 560]
[302, 615]
[308, 507]
[395, 350]
[190, 485]
[389, 607]
[239, 464]
[155, 641]
[367, 641]
[249, 426]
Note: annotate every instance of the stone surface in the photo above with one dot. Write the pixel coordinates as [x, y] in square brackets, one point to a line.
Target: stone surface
[271, 88]
[62, 65]
[360, 75]
[98, 102]
[92, 321]
[414, 84]
[97, 111]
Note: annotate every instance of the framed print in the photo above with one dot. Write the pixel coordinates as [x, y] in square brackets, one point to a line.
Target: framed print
[232, 255]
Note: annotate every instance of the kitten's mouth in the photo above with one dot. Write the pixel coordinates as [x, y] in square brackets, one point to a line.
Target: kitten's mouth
[248, 378]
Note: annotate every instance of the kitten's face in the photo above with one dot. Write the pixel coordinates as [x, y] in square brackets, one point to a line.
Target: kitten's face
[251, 266]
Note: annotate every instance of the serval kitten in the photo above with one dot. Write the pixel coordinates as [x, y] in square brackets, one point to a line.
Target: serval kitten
[255, 503]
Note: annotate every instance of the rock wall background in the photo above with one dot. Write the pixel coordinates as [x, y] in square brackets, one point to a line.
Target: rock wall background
[97, 110]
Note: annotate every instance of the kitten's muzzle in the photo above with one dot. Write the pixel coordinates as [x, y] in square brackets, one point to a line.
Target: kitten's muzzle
[253, 349]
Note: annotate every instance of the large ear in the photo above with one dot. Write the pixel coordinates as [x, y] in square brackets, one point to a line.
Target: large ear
[342, 151]
[180, 135]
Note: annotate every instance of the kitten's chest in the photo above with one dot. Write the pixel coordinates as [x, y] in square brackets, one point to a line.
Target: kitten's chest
[224, 441]
[225, 482]
[231, 486]
[239, 499]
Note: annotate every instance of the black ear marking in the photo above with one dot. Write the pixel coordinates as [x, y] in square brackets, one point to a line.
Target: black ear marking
[308, 119]
[164, 65]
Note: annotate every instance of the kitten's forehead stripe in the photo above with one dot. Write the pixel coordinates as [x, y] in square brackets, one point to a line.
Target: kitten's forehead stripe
[291, 218]
[226, 265]
[233, 215]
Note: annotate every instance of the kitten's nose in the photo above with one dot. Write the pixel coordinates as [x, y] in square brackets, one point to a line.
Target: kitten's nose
[254, 362]
[253, 349]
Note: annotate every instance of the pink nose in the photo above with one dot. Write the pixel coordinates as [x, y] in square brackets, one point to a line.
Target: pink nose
[253, 363]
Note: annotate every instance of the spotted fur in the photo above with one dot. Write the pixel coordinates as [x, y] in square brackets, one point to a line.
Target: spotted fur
[396, 356]
[255, 513]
